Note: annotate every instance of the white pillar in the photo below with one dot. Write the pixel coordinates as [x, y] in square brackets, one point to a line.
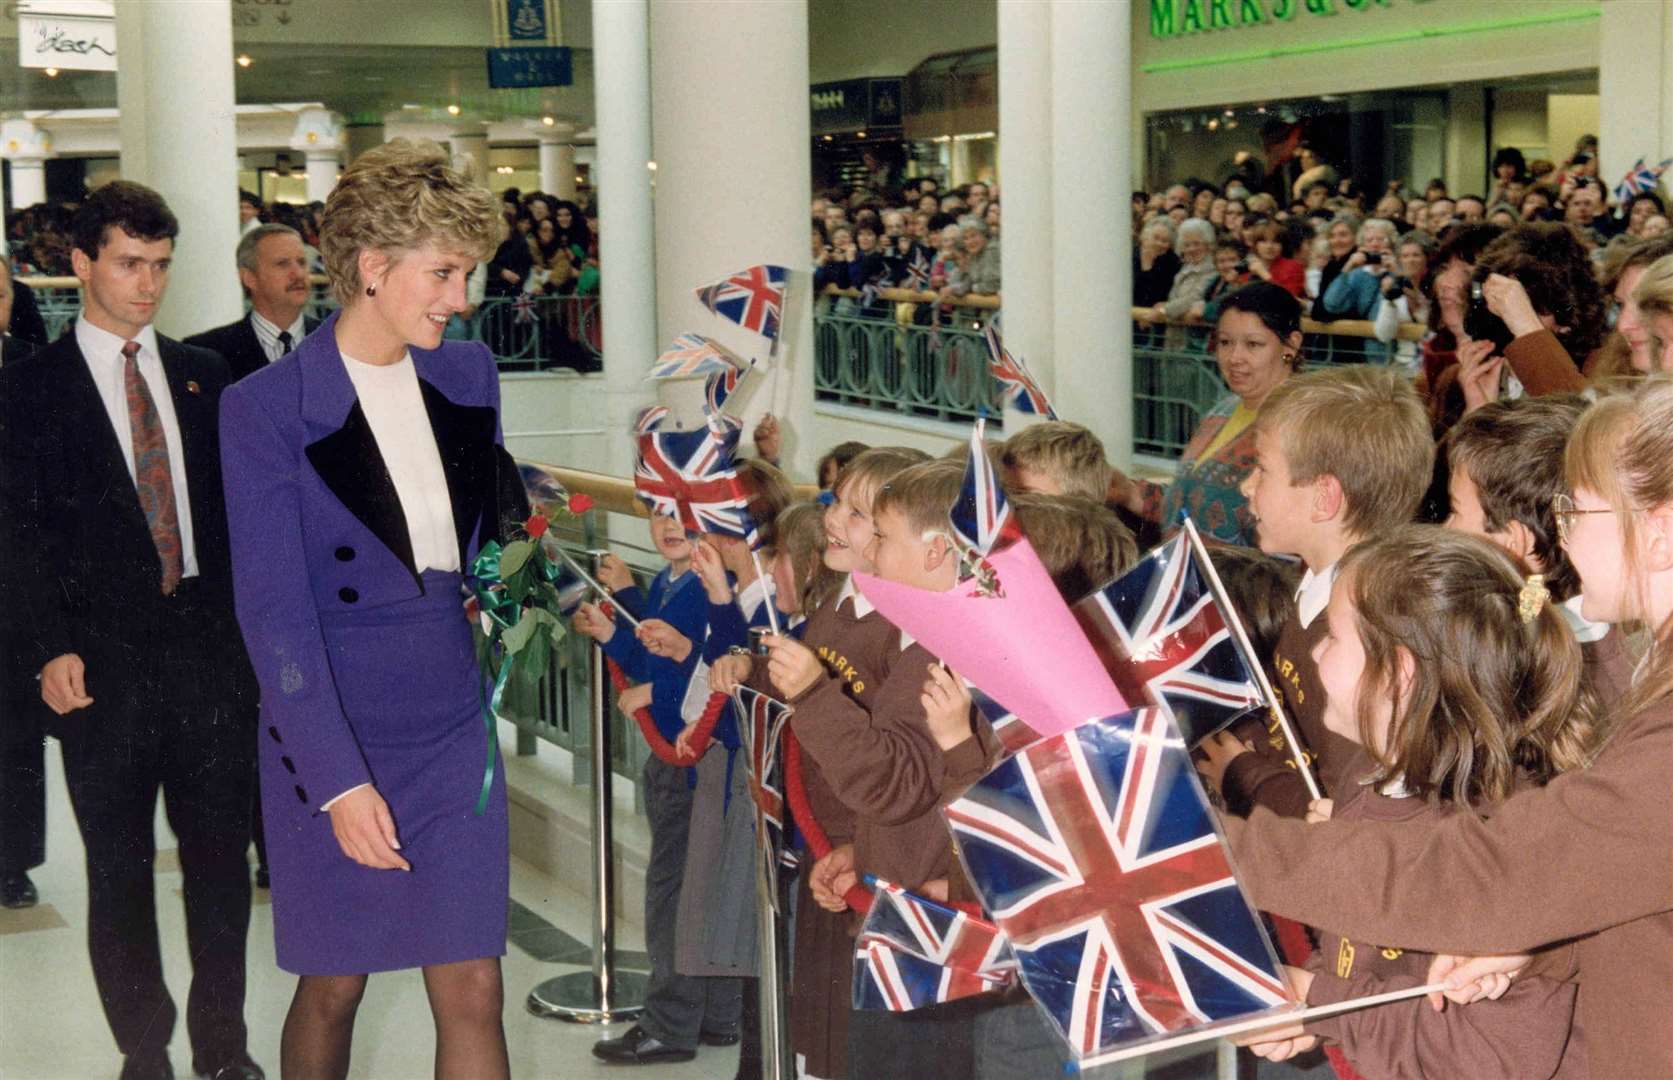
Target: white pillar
[1091, 134]
[627, 252]
[1025, 188]
[191, 153]
[474, 142]
[1635, 87]
[319, 137]
[557, 159]
[27, 147]
[131, 125]
[730, 84]
[359, 137]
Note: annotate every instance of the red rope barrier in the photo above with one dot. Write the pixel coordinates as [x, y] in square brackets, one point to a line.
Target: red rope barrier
[795, 791]
[662, 748]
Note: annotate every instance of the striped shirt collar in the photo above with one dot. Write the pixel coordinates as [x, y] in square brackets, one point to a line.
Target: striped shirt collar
[268, 334]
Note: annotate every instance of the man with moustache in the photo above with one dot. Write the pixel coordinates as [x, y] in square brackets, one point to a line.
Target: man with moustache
[273, 267]
[118, 583]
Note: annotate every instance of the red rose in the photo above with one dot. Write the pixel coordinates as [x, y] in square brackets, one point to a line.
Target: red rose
[536, 526]
[580, 503]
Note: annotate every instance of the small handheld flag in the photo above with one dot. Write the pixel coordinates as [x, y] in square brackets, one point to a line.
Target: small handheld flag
[912, 952]
[761, 721]
[752, 298]
[692, 476]
[693, 355]
[1017, 386]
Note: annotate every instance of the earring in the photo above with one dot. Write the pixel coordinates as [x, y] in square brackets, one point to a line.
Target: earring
[371, 290]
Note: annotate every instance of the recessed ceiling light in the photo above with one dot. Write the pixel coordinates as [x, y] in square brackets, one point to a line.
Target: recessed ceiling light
[453, 110]
[244, 60]
[52, 73]
[549, 121]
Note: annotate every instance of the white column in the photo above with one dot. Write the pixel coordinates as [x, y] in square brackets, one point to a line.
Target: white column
[472, 141]
[131, 126]
[730, 83]
[627, 251]
[190, 152]
[359, 137]
[1092, 280]
[319, 137]
[557, 159]
[1635, 87]
[27, 147]
[1025, 188]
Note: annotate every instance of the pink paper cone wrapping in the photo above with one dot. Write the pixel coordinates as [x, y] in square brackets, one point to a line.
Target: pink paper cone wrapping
[1023, 648]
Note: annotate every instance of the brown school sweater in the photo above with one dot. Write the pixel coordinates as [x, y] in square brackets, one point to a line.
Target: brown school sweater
[1268, 777]
[1523, 1036]
[1588, 857]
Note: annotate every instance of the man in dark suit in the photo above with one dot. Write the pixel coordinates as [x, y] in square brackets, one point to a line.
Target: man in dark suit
[273, 267]
[22, 748]
[120, 614]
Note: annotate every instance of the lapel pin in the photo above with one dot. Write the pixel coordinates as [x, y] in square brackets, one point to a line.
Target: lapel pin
[192, 386]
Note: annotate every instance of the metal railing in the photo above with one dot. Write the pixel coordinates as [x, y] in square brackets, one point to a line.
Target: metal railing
[525, 333]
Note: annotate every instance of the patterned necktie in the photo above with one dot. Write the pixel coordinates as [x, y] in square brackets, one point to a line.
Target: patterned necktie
[152, 475]
[284, 342]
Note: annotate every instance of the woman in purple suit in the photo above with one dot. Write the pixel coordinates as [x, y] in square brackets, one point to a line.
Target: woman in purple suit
[363, 472]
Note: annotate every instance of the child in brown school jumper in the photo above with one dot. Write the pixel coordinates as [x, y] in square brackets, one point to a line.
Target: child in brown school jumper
[852, 650]
[1342, 454]
[1451, 730]
[1578, 869]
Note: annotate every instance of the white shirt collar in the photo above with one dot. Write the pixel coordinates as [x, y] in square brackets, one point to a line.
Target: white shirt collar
[1314, 594]
[864, 607]
[1585, 630]
[99, 344]
[273, 329]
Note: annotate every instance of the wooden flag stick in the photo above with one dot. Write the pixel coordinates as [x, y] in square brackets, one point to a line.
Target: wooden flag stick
[1256, 667]
[772, 613]
[1255, 1024]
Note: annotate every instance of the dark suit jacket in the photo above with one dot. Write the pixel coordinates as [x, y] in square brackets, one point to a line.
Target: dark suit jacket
[80, 570]
[319, 536]
[13, 349]
[238, 345]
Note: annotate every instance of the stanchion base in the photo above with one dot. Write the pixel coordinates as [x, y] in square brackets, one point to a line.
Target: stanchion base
[575, 997]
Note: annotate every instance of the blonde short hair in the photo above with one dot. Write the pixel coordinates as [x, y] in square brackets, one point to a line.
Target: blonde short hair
[1081, 542]
[1068, 453]
[1364, 425]
[873, 468]
[397, 198]
[924, 495]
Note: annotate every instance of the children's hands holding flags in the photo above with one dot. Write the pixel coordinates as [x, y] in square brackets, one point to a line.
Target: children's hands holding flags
[613, 574]
[729, 672]
[946, 703]
[591, 621]
[711, 572]
[661, 639]
[793, 669]
[832, 877]
[1284, 1041]
[1473, 978]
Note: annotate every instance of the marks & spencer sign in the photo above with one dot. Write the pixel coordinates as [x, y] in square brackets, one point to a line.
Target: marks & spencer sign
[1176, 18]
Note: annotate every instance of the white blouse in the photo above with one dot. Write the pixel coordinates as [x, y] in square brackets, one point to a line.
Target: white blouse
[394, 409]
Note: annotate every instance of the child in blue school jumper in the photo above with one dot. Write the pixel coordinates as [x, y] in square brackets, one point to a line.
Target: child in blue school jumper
[680, 1011]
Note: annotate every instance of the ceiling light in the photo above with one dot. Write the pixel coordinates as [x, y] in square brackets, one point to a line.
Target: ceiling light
[52, 73]
[244, 60]
[860, 134]
[549, 121]
[453, 110]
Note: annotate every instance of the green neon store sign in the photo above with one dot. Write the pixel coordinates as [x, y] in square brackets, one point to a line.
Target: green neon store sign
[1175, 18]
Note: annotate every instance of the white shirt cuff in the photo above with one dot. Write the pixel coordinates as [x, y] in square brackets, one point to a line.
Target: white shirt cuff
[329, 803]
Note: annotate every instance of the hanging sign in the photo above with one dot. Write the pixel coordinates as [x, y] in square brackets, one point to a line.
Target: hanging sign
[77, 35]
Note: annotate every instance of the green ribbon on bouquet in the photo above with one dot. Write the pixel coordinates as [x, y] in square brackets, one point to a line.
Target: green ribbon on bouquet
[511, 625]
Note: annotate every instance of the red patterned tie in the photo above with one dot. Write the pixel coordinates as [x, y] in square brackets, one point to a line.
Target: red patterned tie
[152, 475]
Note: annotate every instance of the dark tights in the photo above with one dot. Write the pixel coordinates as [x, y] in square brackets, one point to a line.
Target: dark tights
[467, 1000]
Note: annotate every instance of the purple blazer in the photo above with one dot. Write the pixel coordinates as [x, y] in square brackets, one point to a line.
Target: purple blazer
[317, 530]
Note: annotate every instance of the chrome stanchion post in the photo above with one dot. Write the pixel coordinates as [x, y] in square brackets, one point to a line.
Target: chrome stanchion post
[777, 1062]
[602, 995]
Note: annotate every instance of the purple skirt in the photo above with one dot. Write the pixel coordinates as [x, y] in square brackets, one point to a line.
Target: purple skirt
[408, 680]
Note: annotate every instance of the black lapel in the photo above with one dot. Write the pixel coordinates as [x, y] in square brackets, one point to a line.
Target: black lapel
[349, 462]
[88, 426]
[252, 343]
[465, 440]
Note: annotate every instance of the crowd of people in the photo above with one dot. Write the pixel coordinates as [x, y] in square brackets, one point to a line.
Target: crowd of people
[1460, 578]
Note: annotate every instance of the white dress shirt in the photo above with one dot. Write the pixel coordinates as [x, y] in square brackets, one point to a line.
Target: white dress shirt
[103, 353]
[268, 334]
[394, 410]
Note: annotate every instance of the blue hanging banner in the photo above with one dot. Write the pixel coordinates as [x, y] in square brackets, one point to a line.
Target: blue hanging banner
[529, 66]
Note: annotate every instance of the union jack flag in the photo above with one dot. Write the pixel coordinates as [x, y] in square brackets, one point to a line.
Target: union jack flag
[1165, 639]
[917, 269]
[982, 518]
[690, 475]
[1017, 386]
[718, 386]
[1096, 854]
[761, 721]
[522, 308]
[1008, 729]
[753, 298]
[691, 355]
[913, 952]
[1640, 179]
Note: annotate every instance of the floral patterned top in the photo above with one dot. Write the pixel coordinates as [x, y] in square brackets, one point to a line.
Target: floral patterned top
[1207, 487]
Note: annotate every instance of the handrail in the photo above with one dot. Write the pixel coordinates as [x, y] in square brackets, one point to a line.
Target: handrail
[1409, 331]
[615, 493]
[986, 301]
[47, 281]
